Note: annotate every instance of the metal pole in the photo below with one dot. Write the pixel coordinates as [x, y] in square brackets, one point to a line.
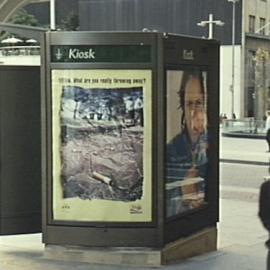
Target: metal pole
[210, 26]
[232, 88]
[233, 47]
[52, 14]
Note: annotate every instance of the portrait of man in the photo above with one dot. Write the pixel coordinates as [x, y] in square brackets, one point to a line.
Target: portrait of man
[187, 141]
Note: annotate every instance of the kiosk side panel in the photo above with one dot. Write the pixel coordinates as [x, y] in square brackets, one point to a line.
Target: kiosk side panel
[191, 146]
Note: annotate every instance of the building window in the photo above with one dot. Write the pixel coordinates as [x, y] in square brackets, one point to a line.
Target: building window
[262, 26]
[251, 24]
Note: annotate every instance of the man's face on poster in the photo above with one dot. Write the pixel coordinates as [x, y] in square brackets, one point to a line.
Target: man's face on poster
[194, 108]
[199, 120]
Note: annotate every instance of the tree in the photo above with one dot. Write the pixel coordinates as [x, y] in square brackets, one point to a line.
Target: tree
[24, 18]
[70, 22]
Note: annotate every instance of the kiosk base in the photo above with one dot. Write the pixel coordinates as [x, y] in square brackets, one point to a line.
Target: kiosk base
[199, 243]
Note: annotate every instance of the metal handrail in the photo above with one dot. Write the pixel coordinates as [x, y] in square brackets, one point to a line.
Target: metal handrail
[247, 125]
[20, 50]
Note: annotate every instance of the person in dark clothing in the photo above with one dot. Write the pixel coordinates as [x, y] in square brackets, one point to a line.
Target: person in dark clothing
[264, 213]
[267, 127]
[268, 139]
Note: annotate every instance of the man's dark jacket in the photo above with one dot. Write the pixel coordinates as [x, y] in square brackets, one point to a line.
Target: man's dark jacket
[264, 206]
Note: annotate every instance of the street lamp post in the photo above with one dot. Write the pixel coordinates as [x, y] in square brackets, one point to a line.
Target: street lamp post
[52, 14]
[233, 53]
[211, 22]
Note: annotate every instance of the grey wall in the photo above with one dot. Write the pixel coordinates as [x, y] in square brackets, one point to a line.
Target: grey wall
[176, 16]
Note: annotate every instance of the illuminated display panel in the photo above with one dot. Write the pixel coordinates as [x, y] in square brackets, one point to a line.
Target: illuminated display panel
[186, 141]
[102, 145]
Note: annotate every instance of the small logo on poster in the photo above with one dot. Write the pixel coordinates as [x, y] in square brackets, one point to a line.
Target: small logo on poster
[65, 207]
[188, 55]
[136, 209]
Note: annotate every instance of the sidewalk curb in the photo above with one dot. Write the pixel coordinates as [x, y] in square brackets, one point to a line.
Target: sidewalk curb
[260, 163]
[257, 136]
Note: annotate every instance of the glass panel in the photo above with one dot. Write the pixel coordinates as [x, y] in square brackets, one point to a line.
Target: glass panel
[102, 145]
[187, 141]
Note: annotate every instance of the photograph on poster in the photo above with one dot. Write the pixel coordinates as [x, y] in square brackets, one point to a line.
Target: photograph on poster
[187, 141]
[102, 143]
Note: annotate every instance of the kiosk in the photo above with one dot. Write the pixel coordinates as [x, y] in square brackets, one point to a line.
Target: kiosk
[130, 144]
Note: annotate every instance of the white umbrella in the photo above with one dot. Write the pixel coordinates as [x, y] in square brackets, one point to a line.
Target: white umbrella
[31, 40]
[11, 40]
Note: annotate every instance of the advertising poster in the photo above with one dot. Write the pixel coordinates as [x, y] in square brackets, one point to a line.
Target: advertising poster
[102, 145]
[187, 141]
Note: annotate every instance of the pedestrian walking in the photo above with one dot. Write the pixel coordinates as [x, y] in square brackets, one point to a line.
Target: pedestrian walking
[267, 127]
[264, 213]
[130, 108]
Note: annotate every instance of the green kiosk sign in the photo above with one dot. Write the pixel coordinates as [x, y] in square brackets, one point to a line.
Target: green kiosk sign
[101, 53]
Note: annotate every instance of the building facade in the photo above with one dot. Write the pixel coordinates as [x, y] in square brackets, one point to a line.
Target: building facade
[256, 46]
[176, 16]
[250, 96]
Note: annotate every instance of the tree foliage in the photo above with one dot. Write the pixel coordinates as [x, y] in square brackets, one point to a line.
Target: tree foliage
[70, 22]
[24, 18]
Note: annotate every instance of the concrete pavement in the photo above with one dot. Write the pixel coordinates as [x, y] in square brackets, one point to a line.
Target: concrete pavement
[244, 150]
[241, 247]
[241, 236]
